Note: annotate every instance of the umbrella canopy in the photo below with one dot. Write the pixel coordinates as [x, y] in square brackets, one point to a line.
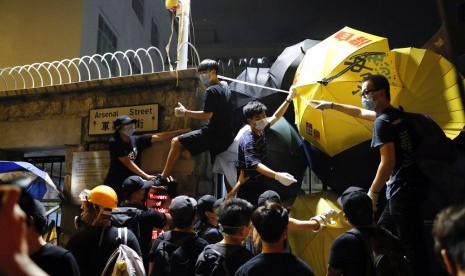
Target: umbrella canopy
[285, 153]
[283, 69]
[314, 248]
[430, 87]
[333, 70]
[39, 184]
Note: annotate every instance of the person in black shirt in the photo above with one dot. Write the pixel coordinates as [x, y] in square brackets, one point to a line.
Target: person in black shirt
[96, 239]
[270, 220]
[216, 135]
[182, 210]
[135, 192]
[235, 215]
[406, 185]
[348, 254]
[126, 151]
[207, 226]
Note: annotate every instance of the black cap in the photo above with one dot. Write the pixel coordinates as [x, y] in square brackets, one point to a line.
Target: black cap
[123, 120]
[205, 203]
[135, 183]
[182, 208]
[34, 208]
[267, 195]
[354, 200]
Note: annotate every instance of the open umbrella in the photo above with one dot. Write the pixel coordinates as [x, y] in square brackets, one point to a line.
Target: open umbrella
[430, 87]
[39, 184]
[314, 248]
[285, 66]
[333, 70]
[285, 153]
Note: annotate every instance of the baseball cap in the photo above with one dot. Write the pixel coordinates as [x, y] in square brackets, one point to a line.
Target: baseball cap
[205, 203]
[123, 120]
[35, 209]
[354, 200]
[182, 208]
[135, 183]
[267, 195]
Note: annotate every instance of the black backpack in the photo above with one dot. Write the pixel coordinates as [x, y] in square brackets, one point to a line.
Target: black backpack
[127, 217]
[175, 257]
[433, 150]
[213, 263]
[385, 257]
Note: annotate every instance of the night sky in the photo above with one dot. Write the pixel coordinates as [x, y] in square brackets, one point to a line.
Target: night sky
[259, 22]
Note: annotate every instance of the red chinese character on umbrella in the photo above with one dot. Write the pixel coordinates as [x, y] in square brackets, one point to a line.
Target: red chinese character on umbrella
[359, 41]
[343, 36]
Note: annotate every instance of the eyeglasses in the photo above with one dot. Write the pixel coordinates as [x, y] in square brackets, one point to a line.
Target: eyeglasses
[366, 92]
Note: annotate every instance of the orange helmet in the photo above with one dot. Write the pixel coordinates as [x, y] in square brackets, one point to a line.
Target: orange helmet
[104, 196]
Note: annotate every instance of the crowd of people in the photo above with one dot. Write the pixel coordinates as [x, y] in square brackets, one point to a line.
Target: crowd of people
[244, 233]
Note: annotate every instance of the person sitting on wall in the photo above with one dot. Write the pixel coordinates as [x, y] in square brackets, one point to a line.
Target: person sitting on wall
[125, 151]
[216, 135]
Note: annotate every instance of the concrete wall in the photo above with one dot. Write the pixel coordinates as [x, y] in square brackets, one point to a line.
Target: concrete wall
[39, 120]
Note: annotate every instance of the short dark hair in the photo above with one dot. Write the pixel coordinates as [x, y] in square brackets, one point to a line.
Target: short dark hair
[448, 230]
[233, 214]
[253, 108]
[270, 220]
[208, 64]
[380, 82]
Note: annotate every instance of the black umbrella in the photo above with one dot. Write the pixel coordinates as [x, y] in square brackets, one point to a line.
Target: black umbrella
[283, 69]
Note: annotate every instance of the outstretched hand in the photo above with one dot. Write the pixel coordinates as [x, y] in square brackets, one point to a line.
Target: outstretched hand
[322, 105]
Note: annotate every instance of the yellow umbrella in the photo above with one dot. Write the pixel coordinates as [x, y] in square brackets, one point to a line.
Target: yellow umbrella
[430, 87]
[314, 248]
[333, 70]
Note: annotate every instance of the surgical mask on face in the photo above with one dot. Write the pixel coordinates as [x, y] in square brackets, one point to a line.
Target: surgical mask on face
[369, 103]
[205, 79]
[260, 125]
[129, 130]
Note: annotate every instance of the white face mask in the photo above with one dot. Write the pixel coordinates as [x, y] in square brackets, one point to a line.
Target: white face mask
[260, 125]
[129, 130]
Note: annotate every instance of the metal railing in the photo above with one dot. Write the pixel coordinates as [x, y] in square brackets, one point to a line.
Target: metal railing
[86, 68]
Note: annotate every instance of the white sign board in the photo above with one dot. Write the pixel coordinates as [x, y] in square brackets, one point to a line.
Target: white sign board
[101, 120]
[89, 170]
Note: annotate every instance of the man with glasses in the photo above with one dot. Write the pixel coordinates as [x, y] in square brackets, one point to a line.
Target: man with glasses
[405, 184]
[216, 135]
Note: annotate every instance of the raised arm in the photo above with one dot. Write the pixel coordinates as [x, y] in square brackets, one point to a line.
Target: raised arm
[348, 109]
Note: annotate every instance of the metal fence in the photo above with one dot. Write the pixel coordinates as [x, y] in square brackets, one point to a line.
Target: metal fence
[86, 68]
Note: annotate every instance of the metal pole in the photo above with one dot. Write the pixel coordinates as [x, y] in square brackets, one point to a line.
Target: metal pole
[183, 36]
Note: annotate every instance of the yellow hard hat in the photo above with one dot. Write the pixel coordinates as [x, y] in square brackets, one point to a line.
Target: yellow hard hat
[104, 196]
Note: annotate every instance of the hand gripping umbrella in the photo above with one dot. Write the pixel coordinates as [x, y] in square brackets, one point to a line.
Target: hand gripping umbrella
[314, 248]
[333, 70]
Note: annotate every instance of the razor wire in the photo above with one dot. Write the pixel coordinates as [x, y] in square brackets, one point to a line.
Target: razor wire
[85, 68]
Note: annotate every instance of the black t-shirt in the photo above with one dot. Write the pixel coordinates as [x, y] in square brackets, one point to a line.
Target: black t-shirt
[118, 172]
[197, 246]
[390, 126]
[56, 261]
[349, 254]
[275, 264]
[217, 101]
[235, 256]
[92, 258]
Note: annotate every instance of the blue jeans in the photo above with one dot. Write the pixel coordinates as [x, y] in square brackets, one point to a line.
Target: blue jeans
[403, 216]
